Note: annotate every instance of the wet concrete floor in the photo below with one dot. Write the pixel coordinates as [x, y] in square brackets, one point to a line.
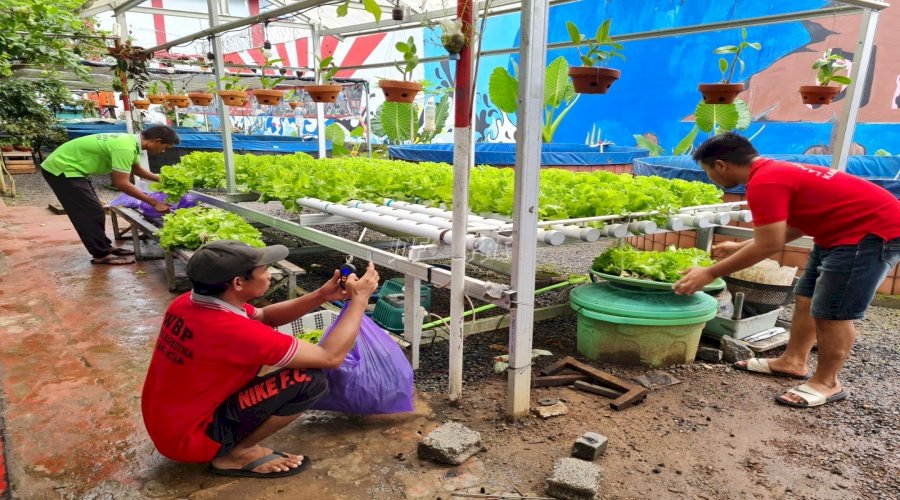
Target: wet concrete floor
[75, 340]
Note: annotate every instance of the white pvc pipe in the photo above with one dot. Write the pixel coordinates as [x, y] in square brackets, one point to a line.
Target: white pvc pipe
[588, 234]
[413, 216]
[741, 215]
[615, 230]
[446, 214]
[642, 227]
[472, 242]
[698, 221]
[675, 224]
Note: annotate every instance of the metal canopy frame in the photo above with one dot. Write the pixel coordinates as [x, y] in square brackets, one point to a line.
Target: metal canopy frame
[532, 53]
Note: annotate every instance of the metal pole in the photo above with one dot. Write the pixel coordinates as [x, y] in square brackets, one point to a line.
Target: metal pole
[532, 54]
[368, 118]
[224, 120]
[320, 106]
[462, 162]
[858, 73]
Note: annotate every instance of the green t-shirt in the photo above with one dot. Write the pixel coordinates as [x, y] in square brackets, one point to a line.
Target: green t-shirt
[94, 154]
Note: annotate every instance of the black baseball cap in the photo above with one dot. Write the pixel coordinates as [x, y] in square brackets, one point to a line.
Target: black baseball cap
[222, 260]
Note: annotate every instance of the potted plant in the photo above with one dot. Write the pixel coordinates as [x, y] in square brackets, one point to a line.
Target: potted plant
[234, 94]
[321, 91]
[828, 68]
[203, 98]
[290, 98]
[403, 90]
[178, 100]
[725, 92]
[20, 145]
[6, 145]
[154, 95]
[141, 103]
[268, 95]
[452, 37]
[590, 78]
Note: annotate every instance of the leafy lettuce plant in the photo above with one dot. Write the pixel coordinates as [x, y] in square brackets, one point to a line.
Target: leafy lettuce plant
[193, 227]
[656, 266]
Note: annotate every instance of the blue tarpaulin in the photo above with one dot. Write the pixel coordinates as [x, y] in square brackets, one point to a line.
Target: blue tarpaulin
[193, 139]
[880, 170]
[504, 154]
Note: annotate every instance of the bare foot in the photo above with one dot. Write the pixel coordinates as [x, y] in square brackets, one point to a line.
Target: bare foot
[237, 458]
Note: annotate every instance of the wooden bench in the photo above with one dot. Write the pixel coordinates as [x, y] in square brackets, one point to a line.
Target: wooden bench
[284, 273]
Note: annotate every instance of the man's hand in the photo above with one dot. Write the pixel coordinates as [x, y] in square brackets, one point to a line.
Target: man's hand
[160, 207]
[725, 249]
[362, 288]
[332, 290]
[693, 281]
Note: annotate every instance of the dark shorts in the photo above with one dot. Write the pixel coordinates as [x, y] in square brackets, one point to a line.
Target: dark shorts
[284, 392]
[842, 280]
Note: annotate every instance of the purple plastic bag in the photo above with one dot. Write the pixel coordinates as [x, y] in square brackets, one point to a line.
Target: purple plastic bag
[186, 201]
[375, 377]
[125, 200]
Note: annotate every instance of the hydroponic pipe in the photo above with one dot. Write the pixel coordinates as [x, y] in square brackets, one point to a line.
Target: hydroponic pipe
[475, 243]
[699, 221]
[588, 234]
[486, 307]
[642, 227]
[741, 215]
[413, 216]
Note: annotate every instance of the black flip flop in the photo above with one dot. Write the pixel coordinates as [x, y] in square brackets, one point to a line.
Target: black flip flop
[247, 470]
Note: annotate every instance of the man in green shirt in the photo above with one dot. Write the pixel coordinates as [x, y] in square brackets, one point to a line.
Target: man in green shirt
[66, 170]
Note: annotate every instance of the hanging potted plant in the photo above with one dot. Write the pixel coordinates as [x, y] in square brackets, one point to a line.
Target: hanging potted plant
[141, 103]
[154, 95]
[203, 98]
[234, 94]
[173, 99]
[726, 92]
[828, 67]
[290, 96]
[321, 91]
[268, 95]
[452, 37]
[403, 90]
[590, 78]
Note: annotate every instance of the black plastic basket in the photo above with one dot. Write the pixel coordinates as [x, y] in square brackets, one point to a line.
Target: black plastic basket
[760, 298]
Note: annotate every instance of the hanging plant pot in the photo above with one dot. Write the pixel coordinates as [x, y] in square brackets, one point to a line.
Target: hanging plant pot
[293, 104]
[141, 103]
[589, 80]
[108, 99]
[200, 98]
[233, 97]
[179, 101]
[268, 97]
[720, 93]
[157, 98]
[400, 91]
[323, 93]
[818, 94]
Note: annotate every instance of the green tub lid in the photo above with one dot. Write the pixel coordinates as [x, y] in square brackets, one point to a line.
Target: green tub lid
[611, 300]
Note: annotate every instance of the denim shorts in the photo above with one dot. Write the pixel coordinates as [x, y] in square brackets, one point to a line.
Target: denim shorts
[842, 280]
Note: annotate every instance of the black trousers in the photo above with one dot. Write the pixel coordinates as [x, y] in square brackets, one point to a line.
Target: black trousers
[77, 196]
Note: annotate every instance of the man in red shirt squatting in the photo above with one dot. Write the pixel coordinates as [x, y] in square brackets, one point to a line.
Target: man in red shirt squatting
[855, 227]
[202, 399]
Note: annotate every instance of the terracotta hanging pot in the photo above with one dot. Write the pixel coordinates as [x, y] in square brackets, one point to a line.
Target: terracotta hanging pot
[141, 103]
[22, 147]
[179, 101]
[293, 104]
[269, 97]
[323, 93]
[233, 97]
[108, 99]
[200, 98]
[720, 93]
[400, 91]
[157, 98]
[589, 80]
[818, 94]
[6, 149]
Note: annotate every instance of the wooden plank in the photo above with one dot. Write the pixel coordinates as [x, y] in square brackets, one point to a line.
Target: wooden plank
[492, 323]
[629, 399]
[556, 367]
[597, 389]
[633, 394]
[554, 380]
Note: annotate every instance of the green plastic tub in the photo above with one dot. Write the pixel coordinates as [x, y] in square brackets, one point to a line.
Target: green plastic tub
[639, 326]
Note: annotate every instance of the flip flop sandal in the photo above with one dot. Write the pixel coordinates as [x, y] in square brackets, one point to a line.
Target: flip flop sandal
[247, 470]
[112, 260]
[811, 397]
[121, 251]
[761, 366]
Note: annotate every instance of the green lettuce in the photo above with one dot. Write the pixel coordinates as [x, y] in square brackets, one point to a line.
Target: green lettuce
[657, 266]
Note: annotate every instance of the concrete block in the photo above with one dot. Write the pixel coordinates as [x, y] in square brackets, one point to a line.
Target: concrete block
[554, 410]
[709, 354]
[573, 479]
[451, 443]
[590, 446]
[734, 350]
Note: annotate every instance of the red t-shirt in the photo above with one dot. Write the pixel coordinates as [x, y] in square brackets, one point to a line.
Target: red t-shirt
[833, 207]
[205, 352]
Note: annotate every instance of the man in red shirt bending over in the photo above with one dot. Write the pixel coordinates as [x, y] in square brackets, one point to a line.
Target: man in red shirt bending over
[202, 399]
[855, 227]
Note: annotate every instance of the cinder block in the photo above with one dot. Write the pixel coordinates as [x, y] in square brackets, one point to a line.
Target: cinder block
[590, 446]
[573, 479]
[451, 443]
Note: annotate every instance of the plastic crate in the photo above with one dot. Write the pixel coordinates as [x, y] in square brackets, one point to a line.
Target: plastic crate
[395, 286]
[319, 320]
[742, 328]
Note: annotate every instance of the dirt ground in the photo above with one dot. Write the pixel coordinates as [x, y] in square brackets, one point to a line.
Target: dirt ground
[75, 340]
